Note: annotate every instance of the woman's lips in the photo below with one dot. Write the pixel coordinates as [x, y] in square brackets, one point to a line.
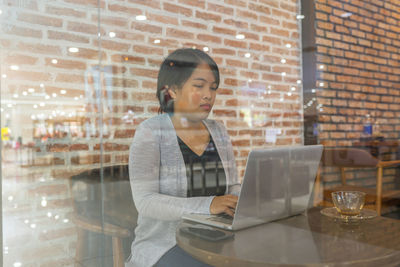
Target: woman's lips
[206, 107]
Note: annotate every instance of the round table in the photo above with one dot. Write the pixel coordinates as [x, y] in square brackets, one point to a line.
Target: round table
[304, 240]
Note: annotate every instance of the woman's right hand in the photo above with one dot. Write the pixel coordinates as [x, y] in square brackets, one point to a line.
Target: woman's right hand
[224, 204]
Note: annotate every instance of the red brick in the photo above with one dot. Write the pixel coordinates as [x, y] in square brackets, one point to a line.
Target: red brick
[149, 73]
[234, 43]
[83, 28]
[195, 25]
[128, 59]
[192, 3]
[28, 75]
[264, 10]
[171, 32]
[219, 8]
[207, 16]
[177, 9]
[21, 31]
[40, 19]
[246, 14]
[125, 9]
[224, 113]
[19, 59]
[66, 64]
[67, 37]
[241, 143]
[64, 11]
[150, 3]
[141, 49]
[209, 38]
[144, 27]
[125, 83]
[268, 20]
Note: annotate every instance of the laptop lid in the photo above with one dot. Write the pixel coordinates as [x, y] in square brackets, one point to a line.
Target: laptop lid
[278, 183]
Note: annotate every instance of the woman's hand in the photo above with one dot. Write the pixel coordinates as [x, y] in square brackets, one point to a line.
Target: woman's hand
[224, 204]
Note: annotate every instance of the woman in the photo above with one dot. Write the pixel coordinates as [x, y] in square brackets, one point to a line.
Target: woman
[164, 155]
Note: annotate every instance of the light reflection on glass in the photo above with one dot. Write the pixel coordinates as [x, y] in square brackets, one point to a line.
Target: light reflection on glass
[141, 17]
[73, 49]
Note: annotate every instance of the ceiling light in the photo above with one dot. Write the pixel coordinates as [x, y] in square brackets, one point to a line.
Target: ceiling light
[73, 49]
[141, 17]
[300, 16]
[240, 36]
[283, 61]
[4, 75]
[54, 94]
[293, 88]
[206, 49]
[111, 34]
[14, 67]
[247, 55]
[63, 92]
[54, 61]
[283, 73]
[288, 45]
[35, 106]
[298, 81]
[24, 93]
[15, 95]
[346, 15]
[157, 41]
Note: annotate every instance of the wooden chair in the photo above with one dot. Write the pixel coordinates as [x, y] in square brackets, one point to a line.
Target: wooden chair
[355, 158]
[104, 207]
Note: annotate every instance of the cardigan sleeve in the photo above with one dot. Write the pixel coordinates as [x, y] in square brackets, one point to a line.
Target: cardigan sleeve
[144, 173]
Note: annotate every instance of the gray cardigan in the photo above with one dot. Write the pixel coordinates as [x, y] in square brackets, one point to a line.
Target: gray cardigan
[159, 185]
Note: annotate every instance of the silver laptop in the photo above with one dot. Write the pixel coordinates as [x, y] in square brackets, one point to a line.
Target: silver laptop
[278, 183]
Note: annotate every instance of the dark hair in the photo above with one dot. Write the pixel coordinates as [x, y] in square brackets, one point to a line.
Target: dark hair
[176, 70]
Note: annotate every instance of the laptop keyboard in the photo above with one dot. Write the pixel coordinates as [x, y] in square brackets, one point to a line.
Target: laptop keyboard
[222, 218]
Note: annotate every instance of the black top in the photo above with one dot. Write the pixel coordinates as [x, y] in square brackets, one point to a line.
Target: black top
[205, 173]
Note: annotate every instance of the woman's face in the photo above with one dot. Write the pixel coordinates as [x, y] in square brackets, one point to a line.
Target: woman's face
[195, 99]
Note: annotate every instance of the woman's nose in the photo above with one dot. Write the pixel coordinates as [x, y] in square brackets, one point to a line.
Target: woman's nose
[207, 94]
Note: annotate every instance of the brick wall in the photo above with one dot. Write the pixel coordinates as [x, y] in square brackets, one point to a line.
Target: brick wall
[357, 62]
[260, 87]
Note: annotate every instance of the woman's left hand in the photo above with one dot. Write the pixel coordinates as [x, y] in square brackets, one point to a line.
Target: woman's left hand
[224, 204]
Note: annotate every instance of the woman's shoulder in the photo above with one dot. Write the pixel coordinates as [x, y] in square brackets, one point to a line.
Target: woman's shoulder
[155, 122]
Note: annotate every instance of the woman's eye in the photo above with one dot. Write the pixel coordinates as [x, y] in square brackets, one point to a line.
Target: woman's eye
[198, 85]
[214, 88]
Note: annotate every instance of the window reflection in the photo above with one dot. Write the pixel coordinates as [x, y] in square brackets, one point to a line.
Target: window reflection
[77, 78]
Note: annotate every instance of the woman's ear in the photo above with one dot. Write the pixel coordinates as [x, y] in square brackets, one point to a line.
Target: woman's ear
[172, 92]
